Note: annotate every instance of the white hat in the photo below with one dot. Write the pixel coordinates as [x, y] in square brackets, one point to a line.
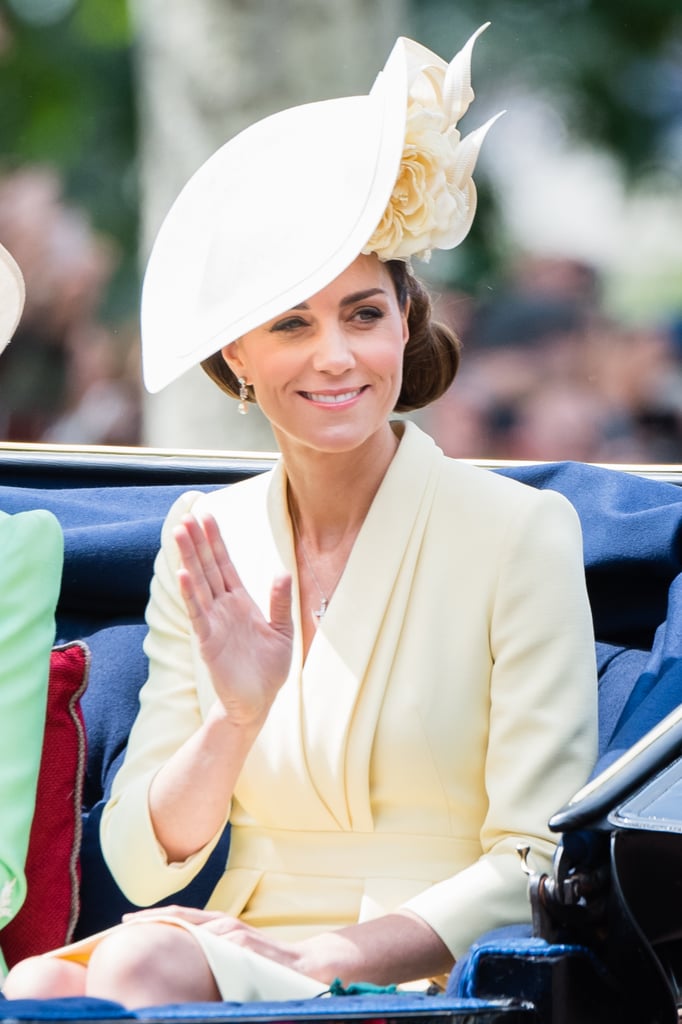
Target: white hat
[12, 295]
[285, 206]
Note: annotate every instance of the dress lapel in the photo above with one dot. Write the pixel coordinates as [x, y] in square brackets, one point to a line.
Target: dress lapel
[316, 744]
[349, 661]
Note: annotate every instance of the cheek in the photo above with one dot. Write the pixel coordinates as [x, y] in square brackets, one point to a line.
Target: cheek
[276, 371]
[388, 356]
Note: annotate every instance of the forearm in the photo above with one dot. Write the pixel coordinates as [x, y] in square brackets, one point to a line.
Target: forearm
[396, 948]
[190, 796]
[247, 659]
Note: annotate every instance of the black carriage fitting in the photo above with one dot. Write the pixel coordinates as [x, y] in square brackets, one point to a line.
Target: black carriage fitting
[616, 886]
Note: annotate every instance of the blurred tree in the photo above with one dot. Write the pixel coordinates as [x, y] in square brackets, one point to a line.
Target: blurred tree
[614, 67]
[611, 69]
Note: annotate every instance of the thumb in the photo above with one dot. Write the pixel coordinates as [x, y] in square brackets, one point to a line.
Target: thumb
[280, 605]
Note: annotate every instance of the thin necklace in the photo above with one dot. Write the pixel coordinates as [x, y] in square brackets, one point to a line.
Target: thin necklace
[318, 614]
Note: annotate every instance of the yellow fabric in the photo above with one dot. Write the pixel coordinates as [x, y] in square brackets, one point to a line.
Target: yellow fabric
[446, 708]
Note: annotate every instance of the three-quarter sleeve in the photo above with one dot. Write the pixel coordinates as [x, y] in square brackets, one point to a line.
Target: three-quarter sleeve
[542, 720]
[170, 712]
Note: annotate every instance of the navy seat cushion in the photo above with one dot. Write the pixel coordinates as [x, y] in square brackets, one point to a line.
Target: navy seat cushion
[118, 668]
[618, 669]
[111, 536]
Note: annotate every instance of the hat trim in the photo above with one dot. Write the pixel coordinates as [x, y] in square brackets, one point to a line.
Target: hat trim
[12, 296]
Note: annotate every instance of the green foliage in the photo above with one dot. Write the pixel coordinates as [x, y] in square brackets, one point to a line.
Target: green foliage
[66, 83]
[611, 68]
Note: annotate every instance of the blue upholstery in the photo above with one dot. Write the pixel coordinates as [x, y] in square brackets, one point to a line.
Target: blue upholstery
[374, 1008]
[515, 941]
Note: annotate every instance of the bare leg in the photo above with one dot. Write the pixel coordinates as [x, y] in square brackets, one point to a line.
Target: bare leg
[149, 965]
[43, 977]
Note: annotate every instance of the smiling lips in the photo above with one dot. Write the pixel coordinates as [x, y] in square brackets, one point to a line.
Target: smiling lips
[329, 398]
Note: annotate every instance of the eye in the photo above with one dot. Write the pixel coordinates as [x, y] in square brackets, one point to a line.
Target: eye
[288, 324]
[367, 314]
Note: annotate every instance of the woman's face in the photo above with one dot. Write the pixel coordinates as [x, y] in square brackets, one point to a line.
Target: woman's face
[327, 373]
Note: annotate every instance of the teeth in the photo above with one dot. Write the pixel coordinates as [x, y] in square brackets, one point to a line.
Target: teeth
[332, 399]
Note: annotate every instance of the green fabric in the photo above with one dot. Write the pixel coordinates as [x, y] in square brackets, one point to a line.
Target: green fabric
[31, 558]
[359, 988]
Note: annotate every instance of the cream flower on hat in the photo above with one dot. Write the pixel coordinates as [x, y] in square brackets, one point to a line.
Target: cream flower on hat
[433, 201]
[12, 294]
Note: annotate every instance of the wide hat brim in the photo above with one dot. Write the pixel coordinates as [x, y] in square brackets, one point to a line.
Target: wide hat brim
[12, 296]
[275, 215]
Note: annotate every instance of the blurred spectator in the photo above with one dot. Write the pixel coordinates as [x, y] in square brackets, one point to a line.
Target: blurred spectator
[546, 375]
[102, 400]
[62, 359]
[561, 277]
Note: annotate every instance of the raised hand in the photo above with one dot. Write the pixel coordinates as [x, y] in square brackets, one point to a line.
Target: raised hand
[247, 656]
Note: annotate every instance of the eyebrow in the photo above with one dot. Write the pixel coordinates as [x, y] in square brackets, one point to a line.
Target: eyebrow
[350, 299]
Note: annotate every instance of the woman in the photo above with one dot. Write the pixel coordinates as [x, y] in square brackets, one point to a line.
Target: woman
[388, 683]
[30, 575]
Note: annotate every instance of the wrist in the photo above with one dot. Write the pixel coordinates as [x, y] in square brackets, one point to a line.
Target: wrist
[326, 957]
[230, 720]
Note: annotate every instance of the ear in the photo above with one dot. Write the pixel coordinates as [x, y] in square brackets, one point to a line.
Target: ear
[232, 356]
[404, 314]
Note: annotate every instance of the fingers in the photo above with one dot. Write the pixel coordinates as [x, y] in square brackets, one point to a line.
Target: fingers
[280, 606]
[229, 574]
[207, 565]
[197, 607]
[194, 583]
[207, 573]
[191, 914]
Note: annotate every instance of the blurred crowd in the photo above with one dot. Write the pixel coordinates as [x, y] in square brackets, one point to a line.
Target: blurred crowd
[546, 373]
[67, 377]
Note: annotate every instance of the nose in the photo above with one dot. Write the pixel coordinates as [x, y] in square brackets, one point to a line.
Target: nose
[333, 352]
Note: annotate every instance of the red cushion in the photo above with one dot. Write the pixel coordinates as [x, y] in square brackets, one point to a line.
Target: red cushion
[49, 913]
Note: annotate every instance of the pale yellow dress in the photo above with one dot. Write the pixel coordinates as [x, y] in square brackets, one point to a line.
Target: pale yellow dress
[447, 707]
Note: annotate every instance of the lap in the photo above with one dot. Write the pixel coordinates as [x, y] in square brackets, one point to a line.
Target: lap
[240, 974]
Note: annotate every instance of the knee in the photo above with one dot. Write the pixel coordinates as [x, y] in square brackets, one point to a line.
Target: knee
[126, 958]
[145, 964]
[43, 977]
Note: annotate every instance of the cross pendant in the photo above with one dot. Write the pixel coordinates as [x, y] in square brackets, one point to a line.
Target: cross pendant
[319, 614]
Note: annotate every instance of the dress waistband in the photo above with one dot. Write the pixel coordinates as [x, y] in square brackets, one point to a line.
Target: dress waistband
[350, 854]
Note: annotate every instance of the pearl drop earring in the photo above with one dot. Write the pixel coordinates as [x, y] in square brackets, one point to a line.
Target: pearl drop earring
[243, 407]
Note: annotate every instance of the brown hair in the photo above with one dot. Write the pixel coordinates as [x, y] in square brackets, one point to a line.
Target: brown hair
[432, 352]
[431, 355]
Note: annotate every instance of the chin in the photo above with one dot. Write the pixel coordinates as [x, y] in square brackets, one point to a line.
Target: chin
[334, 440]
